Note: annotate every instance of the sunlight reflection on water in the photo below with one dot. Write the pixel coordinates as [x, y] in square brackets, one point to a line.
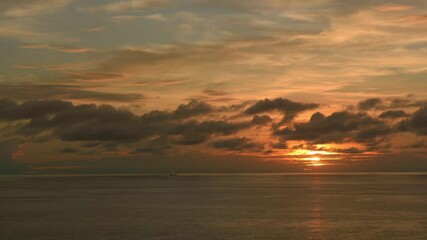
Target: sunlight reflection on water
[245, 206]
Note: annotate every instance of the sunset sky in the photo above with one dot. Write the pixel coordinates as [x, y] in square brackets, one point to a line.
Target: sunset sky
[149, 86]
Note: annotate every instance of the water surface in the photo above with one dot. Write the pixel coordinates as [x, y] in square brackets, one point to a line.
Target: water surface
[245, 206]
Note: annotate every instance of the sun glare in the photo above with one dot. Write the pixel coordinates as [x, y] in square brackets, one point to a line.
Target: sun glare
[313, 158]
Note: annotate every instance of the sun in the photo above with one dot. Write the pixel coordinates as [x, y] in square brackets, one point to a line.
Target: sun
[314, 159]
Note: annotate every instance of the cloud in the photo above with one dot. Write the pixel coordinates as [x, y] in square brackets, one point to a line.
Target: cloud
[157, 17]
[213, 92]
[415, 19]
[261, 119]
[370, 133]
[157, 145]
[23, 8]
[193, 108]
[195, 132]
[419, 121]
[390, 103]
[89, 122]
[7, 164]
[128, 5]
[68, 150]
[337, 127]
[369, 103]
[392, 114]
[63, 92]
[58, 48]
[394, 7]
[349, 150]
[286, 106]
[10, 110]
[236, 144]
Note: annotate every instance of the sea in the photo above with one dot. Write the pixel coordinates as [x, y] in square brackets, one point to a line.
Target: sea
[214, 206]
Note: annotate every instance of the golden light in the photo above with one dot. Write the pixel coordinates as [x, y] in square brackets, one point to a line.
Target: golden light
[313, 161]
[299, 152]
[313, 158]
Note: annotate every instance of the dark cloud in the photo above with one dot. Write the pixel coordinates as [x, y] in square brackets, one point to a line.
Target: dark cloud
[92, 123]
[193, 108]
[96, 123]
[192, 138]
[392, 114]
[280, 145]
[371, 133]
[10, 110]
[90, 144]
[417, 144]
[63, 92]
[236, 144]
[369, 104]
[261, 119]
[68, 150]
[209, 127]
[349, 150]
[157, 145]
[334, 128]
[289, 108]
[215, 93]
[7, 163]
[416, 123]
[390, 103]
[419, 121]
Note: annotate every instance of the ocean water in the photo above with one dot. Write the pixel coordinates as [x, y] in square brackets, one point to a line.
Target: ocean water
[244, 206]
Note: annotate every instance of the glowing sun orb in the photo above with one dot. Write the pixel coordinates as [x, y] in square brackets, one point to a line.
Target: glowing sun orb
[315, 159]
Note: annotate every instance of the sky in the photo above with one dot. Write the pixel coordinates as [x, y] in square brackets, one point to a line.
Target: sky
[158, 86]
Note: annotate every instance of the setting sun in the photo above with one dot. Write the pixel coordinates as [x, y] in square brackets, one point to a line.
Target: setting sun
[314, 159]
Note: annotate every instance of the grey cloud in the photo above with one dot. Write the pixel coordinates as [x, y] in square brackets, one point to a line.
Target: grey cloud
[92, 123]
[333, 128]
[392, 114]
[210, 127]
[193, 108]
[22, 8]
[212, 92]
[235, 144]
[390, 103]
[68, 150]
[371, 133]
[280, 145]
[128, 5]
[10, 110]
[349, 150]
[63, 92]
[7, 164]
[419, 121]
[261, 119]
[369, 103]
[157, 145]
[289, 108]
[416, 123]
[90, 144]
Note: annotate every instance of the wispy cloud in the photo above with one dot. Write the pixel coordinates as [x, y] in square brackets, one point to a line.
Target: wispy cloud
[31, 7]
[58, 48]
[124, 5]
